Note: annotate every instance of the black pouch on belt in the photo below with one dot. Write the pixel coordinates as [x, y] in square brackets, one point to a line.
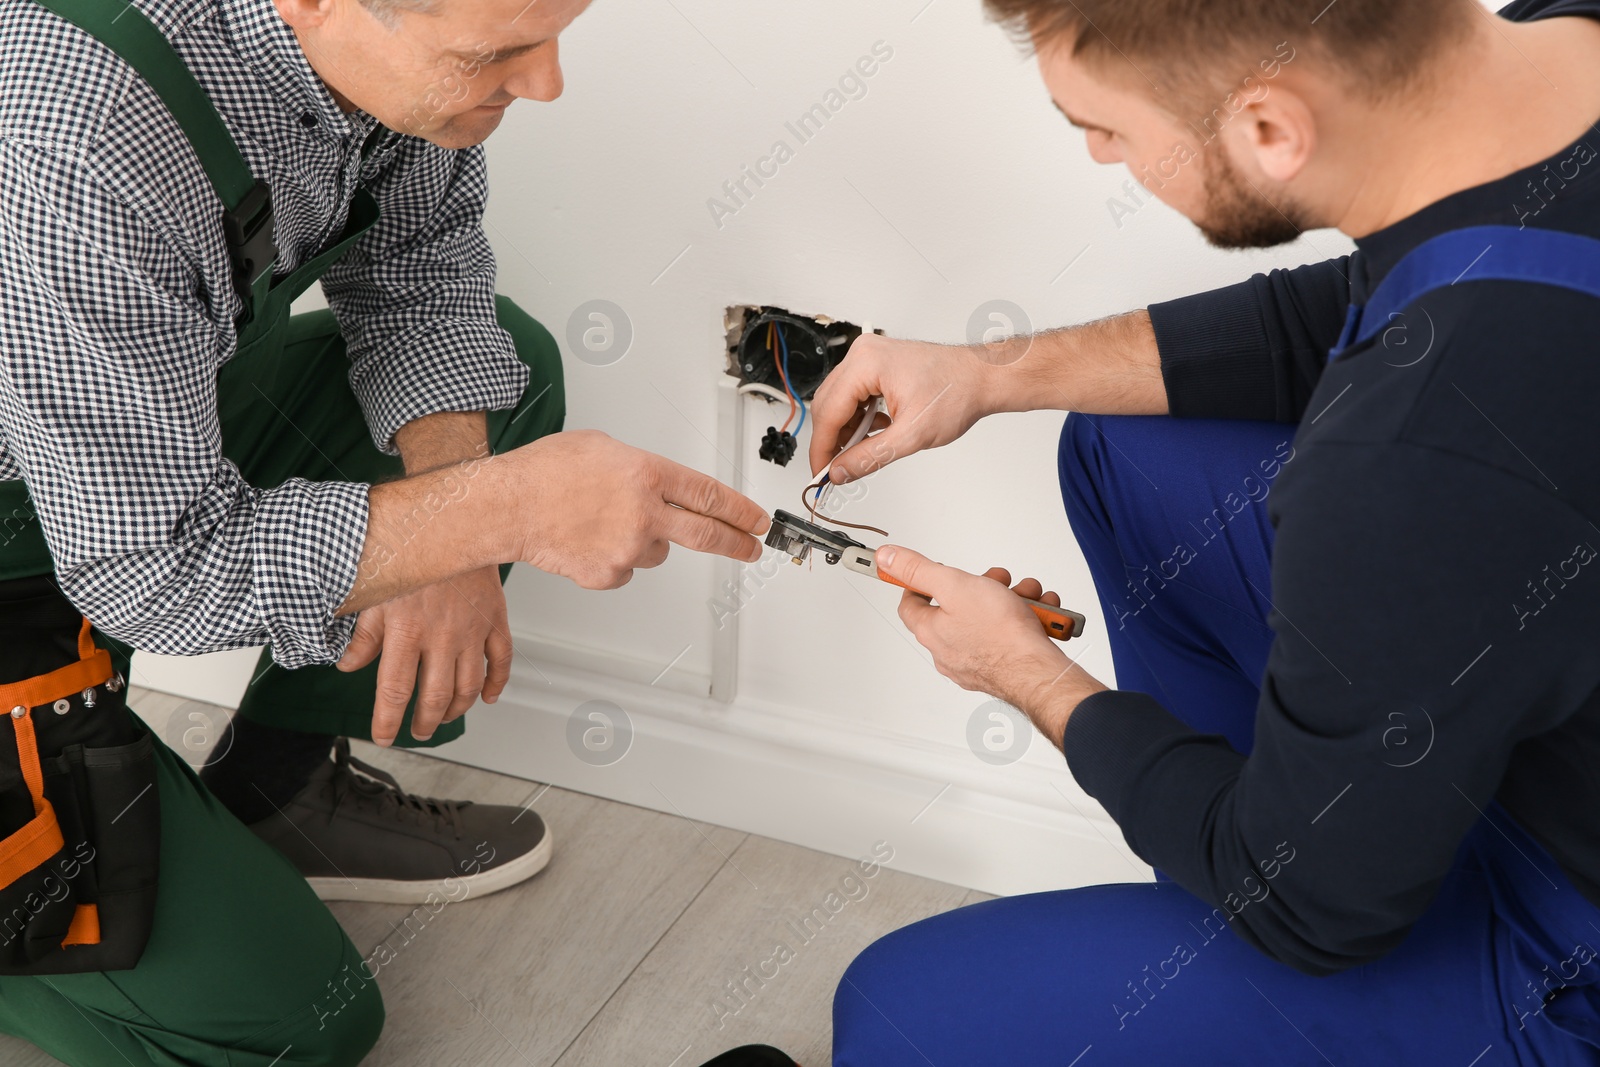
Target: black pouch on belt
[80, 817]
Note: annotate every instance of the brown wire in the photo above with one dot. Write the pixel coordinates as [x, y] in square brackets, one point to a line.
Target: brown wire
[809, 501]
[860, 526]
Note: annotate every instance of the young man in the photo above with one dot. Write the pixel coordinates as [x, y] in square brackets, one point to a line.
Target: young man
[1359, 714]
[194, 469]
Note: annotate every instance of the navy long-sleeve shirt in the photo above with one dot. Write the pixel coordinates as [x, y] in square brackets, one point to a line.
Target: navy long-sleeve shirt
[1438, 550]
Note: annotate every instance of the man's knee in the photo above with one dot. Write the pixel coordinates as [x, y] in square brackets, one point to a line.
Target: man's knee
[1091, 443]
[1080, 463]
[861, 1037]
[543, 407]
[1163, 470]
[1077, 445]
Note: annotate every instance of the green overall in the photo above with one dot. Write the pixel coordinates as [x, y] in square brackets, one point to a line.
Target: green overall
[245, 967]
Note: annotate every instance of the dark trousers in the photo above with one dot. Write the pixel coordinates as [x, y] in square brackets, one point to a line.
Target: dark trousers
[1147, 973]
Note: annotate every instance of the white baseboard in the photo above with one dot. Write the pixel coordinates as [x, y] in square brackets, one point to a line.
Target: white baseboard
[821, 782]
[830, 783]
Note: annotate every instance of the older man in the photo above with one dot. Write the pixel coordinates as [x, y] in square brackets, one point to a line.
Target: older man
[194, 469]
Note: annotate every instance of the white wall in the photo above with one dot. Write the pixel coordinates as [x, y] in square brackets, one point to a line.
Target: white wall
[951, 183]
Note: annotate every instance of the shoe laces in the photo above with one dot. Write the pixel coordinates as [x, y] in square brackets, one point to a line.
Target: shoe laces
[356, 777]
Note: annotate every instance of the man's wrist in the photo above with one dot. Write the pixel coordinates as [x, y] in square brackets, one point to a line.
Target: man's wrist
[433, 526]
[433, 441]
[999, 382]
[1053, 696]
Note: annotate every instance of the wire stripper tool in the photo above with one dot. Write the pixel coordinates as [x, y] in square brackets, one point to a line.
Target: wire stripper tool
[797, 537]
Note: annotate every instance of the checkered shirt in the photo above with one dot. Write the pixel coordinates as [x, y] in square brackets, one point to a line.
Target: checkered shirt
[117, 310]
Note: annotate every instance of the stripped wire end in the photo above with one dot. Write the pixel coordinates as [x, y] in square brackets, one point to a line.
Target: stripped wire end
[813, 501]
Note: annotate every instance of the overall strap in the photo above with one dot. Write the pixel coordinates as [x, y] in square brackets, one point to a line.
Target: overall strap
[40, 839]
[92, 667]
[1475, 254]
[247, 216]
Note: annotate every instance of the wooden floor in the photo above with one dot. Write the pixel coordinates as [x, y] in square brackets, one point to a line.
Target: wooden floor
[622, 950]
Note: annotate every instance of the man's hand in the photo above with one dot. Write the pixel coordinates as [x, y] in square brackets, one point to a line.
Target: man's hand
[578, 504]
[933, 394]
[449, 642]
[984, 638]
[593, 509]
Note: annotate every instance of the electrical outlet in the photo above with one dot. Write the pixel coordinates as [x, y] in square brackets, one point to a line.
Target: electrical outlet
[783, 357]
[759, 334]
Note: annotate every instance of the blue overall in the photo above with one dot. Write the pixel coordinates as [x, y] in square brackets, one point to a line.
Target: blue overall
[1501, 970]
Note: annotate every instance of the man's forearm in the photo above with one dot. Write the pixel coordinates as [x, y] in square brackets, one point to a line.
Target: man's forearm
[432, 526]
[1108, 367]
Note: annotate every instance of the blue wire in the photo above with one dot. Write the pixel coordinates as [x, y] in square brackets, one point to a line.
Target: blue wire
[789, 382]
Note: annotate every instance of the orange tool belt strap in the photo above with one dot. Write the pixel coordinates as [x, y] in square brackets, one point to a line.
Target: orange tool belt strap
[40, 838]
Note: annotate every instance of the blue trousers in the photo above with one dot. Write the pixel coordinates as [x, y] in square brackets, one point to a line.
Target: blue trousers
[1501, 970]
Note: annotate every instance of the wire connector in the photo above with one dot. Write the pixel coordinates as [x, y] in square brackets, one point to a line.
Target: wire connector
[778, 446]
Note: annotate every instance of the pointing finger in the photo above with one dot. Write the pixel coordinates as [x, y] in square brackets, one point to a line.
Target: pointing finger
[704, 495]
[702, 534]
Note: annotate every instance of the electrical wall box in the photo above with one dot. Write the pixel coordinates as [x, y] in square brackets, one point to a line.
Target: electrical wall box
[758, 334]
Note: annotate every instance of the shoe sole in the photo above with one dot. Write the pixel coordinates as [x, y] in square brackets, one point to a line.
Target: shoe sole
[401, 891]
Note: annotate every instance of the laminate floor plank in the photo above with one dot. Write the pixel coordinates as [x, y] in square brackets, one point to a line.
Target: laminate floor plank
[513, 978]
[755, 960]
[15, 1053]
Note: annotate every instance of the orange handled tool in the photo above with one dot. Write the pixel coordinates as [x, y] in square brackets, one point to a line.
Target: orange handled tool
[1059, 623]
[798, 537]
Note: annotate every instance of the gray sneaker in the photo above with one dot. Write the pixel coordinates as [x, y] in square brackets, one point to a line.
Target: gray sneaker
[356, 835]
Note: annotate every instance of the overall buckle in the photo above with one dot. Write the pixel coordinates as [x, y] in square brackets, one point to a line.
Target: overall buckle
[250, 232]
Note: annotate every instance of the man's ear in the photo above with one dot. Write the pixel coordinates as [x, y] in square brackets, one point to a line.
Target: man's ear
[304, 14]
[1280, 131]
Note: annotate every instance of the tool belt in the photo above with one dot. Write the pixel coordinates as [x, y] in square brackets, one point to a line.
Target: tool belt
[80, 829]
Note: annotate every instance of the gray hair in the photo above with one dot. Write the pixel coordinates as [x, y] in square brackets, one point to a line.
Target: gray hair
[388, 11]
